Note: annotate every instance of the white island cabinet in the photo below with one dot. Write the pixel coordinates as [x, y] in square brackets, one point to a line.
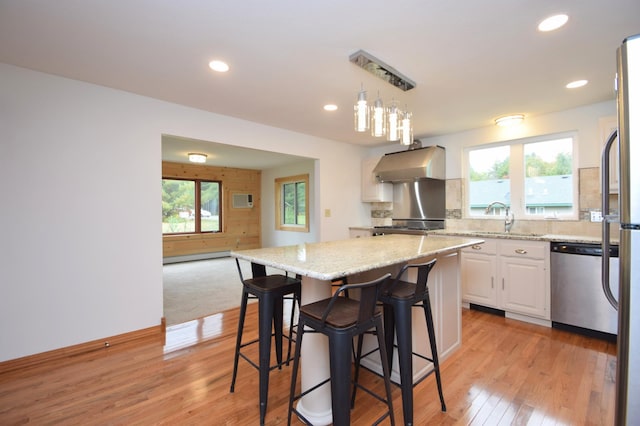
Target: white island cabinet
[510, 275]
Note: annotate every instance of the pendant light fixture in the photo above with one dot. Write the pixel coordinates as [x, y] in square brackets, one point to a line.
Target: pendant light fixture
[406, 129]
[361, 112]
[379, 118]
[393, 122]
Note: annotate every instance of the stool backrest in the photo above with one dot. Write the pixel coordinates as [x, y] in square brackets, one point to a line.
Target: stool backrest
[369, 292]
[257, 270]
[423, 275]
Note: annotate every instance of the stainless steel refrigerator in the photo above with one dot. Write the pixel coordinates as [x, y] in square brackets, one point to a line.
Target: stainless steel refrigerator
[628, 363]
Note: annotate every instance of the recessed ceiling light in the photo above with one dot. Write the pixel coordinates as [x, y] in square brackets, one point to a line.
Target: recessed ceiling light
[219, 66]
[330, 107]
[553, 22]
[576, 84]
[510, 120]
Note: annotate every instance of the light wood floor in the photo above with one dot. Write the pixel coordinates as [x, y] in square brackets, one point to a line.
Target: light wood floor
[507, 372]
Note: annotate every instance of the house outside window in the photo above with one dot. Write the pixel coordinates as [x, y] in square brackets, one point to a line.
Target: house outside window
[292, 203]
[190, 206]
[533, 177]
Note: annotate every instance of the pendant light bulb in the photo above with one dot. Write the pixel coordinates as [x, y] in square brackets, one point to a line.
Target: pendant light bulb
[393, 123]
[406, 129]
[379, 126]
[361, 112]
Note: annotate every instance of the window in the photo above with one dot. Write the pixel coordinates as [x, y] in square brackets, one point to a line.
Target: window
[292, 205]
[190, 206]
[533, 177]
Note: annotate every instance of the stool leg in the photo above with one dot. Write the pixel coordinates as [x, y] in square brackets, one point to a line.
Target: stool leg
[277, 326]
[243, 311]
[403, 329]
[385, 369]
[389, 331]
[340, 366]
[296, 364]
[294, 301]
[426, 304]
[356, 372]
[265, 317]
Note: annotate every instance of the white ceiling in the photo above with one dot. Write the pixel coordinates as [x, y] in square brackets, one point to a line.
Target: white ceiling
[472, 60]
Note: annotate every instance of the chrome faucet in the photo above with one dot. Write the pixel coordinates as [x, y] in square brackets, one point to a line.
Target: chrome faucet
[509, 217]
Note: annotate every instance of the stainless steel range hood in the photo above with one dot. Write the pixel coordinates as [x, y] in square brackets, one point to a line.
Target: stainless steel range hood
[427, 162]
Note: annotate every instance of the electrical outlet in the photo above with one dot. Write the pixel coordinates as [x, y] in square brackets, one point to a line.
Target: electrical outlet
[596, 216]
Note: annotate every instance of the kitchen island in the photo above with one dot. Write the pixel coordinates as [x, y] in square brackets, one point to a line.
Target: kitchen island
[362, 259]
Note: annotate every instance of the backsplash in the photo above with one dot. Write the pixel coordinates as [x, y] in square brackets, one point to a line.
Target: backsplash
[589, 200]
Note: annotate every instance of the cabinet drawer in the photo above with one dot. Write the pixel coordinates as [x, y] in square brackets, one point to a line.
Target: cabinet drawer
[524, 249]
[488, 247]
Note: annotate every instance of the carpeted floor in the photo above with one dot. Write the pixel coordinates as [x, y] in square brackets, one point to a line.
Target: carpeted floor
[201, 288]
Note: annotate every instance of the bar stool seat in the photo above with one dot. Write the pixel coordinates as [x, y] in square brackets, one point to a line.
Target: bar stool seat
[398, 299]
[271, 291]
[341, 319]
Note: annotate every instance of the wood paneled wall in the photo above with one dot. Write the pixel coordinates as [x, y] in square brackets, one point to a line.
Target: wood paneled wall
[240, 227]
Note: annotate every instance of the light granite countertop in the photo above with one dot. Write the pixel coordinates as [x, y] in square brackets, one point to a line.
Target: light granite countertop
[529, 236]
[334, 259]
[523, 236]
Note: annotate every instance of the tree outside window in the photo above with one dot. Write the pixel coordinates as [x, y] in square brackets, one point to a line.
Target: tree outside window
[292, 211]
[190, 206]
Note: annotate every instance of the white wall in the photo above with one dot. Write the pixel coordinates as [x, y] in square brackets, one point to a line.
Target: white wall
[584, 120]
[80, 166]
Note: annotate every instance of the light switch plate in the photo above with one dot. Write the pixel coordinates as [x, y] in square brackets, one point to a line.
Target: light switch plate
[596, 216]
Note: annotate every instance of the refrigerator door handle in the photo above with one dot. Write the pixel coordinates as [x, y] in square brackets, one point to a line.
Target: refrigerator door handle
[607, 218]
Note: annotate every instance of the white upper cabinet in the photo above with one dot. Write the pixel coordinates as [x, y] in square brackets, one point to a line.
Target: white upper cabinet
[372, 190]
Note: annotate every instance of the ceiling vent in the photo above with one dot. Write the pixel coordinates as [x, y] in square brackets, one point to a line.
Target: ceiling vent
[378, 68]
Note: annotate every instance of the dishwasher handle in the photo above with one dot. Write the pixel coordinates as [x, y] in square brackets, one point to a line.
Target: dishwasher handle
[607, 218]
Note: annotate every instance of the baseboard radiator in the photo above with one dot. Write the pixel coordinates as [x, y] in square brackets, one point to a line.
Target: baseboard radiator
[191, 257]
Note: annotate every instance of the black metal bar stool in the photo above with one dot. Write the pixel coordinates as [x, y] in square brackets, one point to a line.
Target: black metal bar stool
[341, 319]
[270, 290]
[397, 300]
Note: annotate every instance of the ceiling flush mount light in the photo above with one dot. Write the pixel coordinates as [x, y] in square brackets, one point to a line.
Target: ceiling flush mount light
[553, 22]
[195, 157]
[576, 84]
[219, 66]
[330, 107]
[510, 120]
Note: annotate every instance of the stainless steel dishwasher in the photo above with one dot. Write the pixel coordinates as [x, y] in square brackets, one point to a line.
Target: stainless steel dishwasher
[577, 300]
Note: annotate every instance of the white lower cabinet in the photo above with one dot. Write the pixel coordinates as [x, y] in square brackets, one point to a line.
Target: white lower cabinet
[511, 275]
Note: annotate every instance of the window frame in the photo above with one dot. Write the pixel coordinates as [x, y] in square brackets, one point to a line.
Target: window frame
[517, 176]
[279, 203]
[198, 206]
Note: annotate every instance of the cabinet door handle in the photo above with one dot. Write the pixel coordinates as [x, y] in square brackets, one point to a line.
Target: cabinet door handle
[520, 251]
[503, 284]
[476, 247]
[491, 282]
